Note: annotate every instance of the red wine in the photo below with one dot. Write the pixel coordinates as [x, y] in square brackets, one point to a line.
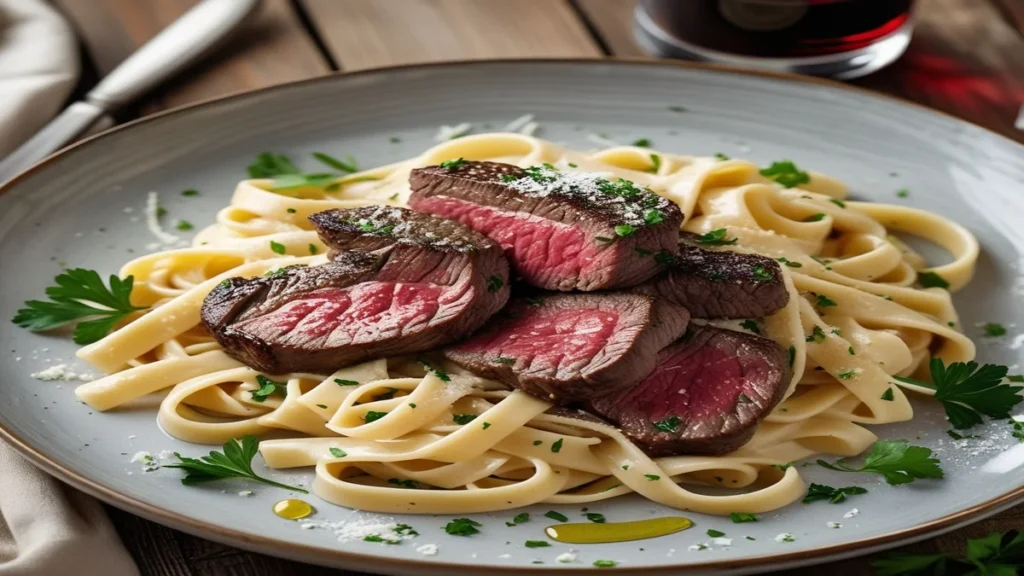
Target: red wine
[779, 28]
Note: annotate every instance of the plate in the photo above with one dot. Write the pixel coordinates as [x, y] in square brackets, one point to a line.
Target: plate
[84, 208]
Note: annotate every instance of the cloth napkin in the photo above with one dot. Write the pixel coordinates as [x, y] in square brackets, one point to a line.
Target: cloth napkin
[46, 528]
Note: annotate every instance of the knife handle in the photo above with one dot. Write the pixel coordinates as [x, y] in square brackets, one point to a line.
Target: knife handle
[169, 52]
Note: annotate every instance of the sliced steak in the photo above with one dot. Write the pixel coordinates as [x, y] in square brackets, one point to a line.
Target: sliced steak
[719, 283]
[561, 230]
[566, 348]
[399, 298]
[379, 229]
[706, 396]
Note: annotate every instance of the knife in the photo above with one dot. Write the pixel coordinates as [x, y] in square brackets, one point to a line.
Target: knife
[176, 47]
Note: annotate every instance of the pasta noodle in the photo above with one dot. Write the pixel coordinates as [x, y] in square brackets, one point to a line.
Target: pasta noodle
[517, 451]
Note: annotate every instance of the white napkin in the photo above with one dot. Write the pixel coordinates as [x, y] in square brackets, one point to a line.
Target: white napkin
[38, 68]
[46, 528]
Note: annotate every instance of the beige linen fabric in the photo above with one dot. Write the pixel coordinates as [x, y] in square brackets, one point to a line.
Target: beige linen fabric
[46, 528]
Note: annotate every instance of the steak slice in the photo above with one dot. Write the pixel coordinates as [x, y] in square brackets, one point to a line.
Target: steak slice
[707, 395]
[398, 297]
[719, 283]
[566, 348]
[561, 230]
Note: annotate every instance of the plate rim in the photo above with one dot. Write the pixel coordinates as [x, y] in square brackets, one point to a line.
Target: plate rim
[339, 557]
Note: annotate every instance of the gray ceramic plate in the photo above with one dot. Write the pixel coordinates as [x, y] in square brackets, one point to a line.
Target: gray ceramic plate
[73, 208]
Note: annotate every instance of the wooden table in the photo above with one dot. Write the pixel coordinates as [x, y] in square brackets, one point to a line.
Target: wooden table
[967, 58]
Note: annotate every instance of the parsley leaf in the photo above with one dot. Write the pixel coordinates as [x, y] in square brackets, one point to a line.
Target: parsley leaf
[341, 382]
[716, 238]
[519, 519]
[825, 301]
[669, 424]
[462, 527]
[790, 263]
[715, 533]
[995, 554]
[454, 164]
[903, 193]
[463, 419]
[888, 395]
[80, 296]
[761, 275]
[817, 335]
[595, 517]
[605, 563]
[932, 280]
[642, 143]
[441, 374]
[653, 216]
[896, 460]
[537, 544]
[967, 391]
[277, 247]
[785, 174]
[234, 462]
[377, 538]
[994, 329]
[624, 230]
[556, 446]
[833, 495]
[556, 516]
[741, 517]
[372, 416]
[750, 325]
[655, 163]
[338, 452]
[267, 387]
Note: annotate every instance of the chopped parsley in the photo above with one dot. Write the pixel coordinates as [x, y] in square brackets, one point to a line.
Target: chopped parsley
[312, 249]
[967, 391]
[677, 109]
[338, 452]
[847, 374]
[463, 419]
[486, 425]
[642, 143]
[741, 517]
[888, 395]
[790, 263]
[342, 382]
[817, 335]
[834, 495]
[324, 406]
[995, 554]
[556, 516]
[716, 238]
[377, 538]
[815, 217]
[750, 325]
[519, 519]
[372, 416]
[715, 533]
[902, 193]
[276, 247]
[595, 517]
[411, 484]
[624, 230]
[291, 210]
[441, 374]
[347, 167]
[405, 530]
[654, 216]
[538, 442]
[537, 544]
[505, 361]
[761, 275]
[652, 477]
[850, 350]
[655, 163]
[393, 197]
[721, 157]
[839, 203]
[932, 280]
[462, 527]
[824, 301]
[267, 387]
[454, 164]
[494, 283]
[669, 424]
[190, 192]
[234, 462]
[80, 296]
[896, 460]
[605, 563]
[1018, 429]
[994, 330]
[412, 405]
[556, 446]
[785, 174]
[184, 225]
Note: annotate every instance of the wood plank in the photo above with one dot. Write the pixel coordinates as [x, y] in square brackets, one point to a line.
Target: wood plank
[272, 49]
[370, 33]
[965, 58]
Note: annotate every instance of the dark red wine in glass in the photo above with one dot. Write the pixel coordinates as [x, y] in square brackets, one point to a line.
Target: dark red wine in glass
[839, 38]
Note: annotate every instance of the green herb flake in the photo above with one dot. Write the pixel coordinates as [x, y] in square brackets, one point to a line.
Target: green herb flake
[716, 238]
[902, 193]
[721, 157]
[190, 192]
[372, 416]
[538, 442]
[378, 539]
[654, 216]
[494, 283]
[790, 263]
[792, 355]
[324, 406]
[486, 425]
[80, 296]
[817, 335]
[556, 516]
[462, 527]
[267, 387]
[463, 419]
[786, 174]
[537, 544]
[994, 330]
[519, 519]
[624, 230]
[393, 197]
[847, 374]
[741, 517]
[642, 251]
[839, 203]
[595, 517]
[677, 109]
[967, 391]
[277, 248]
[818, 492]
[642, 143]
[850, 350]
[505, 361]
[341, 382]
[603, 238]
[652, 477]
[825, 302]
[556, 447]
[441, 374]
[715, 533]
[932, 280]
[655, 164]
[405, 530]
[888, 395]
[404, 483]
[454, 164]
[291, 210]
[669, 424]
[815, 217]
[338, 452]
[234, 462]
[605, 563]
[750, 325]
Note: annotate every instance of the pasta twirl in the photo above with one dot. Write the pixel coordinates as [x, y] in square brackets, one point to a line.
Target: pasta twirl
[389, 436]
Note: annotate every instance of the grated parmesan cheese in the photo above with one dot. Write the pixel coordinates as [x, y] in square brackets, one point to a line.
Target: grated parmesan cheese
[835, 525]
[722, 541]
[427, 549]
[785, 537]
[566, 557]
[851, 513]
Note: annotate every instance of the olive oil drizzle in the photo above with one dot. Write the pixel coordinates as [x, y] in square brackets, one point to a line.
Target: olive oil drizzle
[592, 533]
